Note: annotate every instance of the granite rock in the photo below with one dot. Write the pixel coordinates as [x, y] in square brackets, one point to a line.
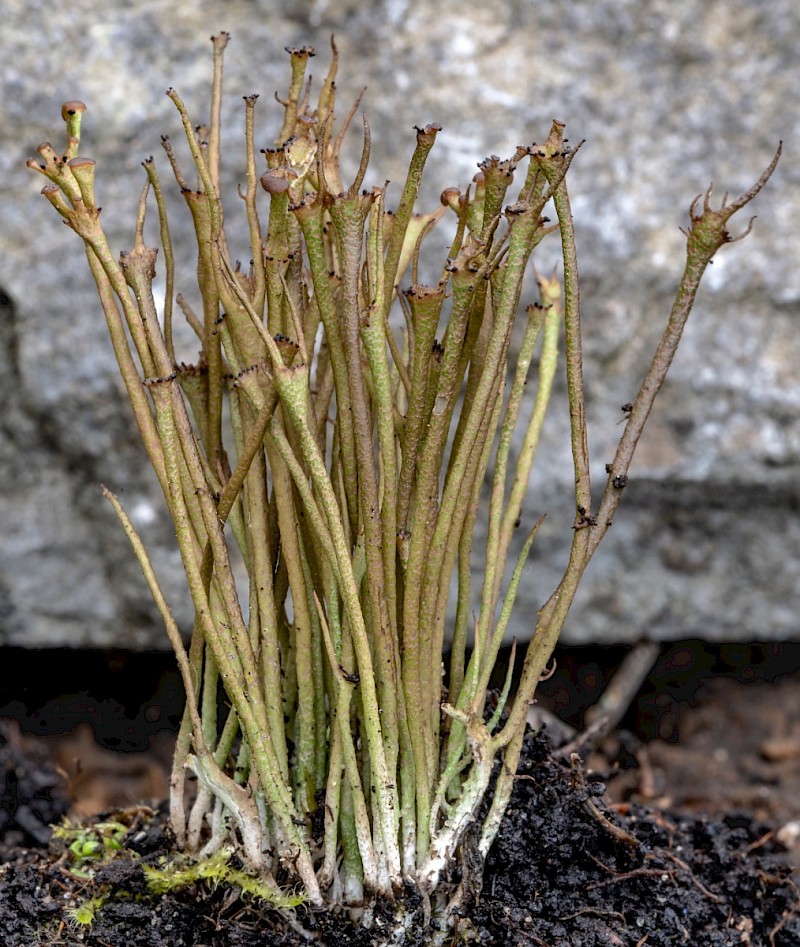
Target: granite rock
[668, 95]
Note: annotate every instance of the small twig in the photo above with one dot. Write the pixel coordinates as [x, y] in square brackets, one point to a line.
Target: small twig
[766, 837]
[624, 685]
[698, 884]
[647, 779]
[615, 831]
[619, 876]
[787, 915]
[585, 741]
[597, 911]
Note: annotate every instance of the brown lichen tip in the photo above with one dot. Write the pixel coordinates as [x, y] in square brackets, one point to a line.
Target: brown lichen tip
[301, 51]
[429, 131]
[494, 165]
[277, 180]
[69, 109]
[450, 197]
[48, 152]
[519, 207]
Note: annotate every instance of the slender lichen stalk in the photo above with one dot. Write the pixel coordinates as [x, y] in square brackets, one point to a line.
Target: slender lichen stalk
[348, 478]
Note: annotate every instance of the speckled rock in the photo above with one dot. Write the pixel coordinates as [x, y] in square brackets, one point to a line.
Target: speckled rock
[669, 95]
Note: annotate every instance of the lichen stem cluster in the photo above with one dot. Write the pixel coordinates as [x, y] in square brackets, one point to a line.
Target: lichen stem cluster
[338, 431]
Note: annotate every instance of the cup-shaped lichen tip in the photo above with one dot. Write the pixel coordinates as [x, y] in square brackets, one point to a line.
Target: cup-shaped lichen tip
[72, 108]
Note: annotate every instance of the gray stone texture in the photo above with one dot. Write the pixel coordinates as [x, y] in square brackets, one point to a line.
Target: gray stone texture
[668, 94]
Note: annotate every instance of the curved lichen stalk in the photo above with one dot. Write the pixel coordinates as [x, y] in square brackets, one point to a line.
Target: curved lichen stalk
[350, 477]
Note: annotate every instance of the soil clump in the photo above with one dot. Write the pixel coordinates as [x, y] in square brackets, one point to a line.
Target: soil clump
[569, 868]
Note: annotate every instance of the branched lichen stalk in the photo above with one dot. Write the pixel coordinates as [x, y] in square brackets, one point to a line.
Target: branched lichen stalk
[354, 488]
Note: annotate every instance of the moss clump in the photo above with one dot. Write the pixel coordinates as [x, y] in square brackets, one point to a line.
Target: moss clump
[90, 845]
[216, 869]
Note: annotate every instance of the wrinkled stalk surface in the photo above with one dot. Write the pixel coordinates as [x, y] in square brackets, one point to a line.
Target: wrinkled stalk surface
[348, 758]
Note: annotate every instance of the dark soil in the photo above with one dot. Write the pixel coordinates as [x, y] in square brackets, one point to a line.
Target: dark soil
[580, 862]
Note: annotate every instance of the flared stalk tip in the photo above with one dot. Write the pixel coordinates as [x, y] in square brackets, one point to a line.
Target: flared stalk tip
[72, 108]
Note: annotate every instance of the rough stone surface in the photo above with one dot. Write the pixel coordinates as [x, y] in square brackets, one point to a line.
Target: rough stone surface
[669, 95]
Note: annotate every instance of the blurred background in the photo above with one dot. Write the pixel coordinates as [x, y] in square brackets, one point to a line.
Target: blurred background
[669, 95]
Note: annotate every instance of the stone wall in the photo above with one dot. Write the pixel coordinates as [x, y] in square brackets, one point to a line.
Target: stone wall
[668, 94]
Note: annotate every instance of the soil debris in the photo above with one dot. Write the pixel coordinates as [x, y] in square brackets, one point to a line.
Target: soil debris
[567, 870]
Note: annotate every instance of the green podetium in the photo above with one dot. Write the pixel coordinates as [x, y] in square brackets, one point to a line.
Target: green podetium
[349, 477]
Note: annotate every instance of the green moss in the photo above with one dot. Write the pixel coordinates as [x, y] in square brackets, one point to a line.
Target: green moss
[216, 869]
[84, 913]
[90, 844]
